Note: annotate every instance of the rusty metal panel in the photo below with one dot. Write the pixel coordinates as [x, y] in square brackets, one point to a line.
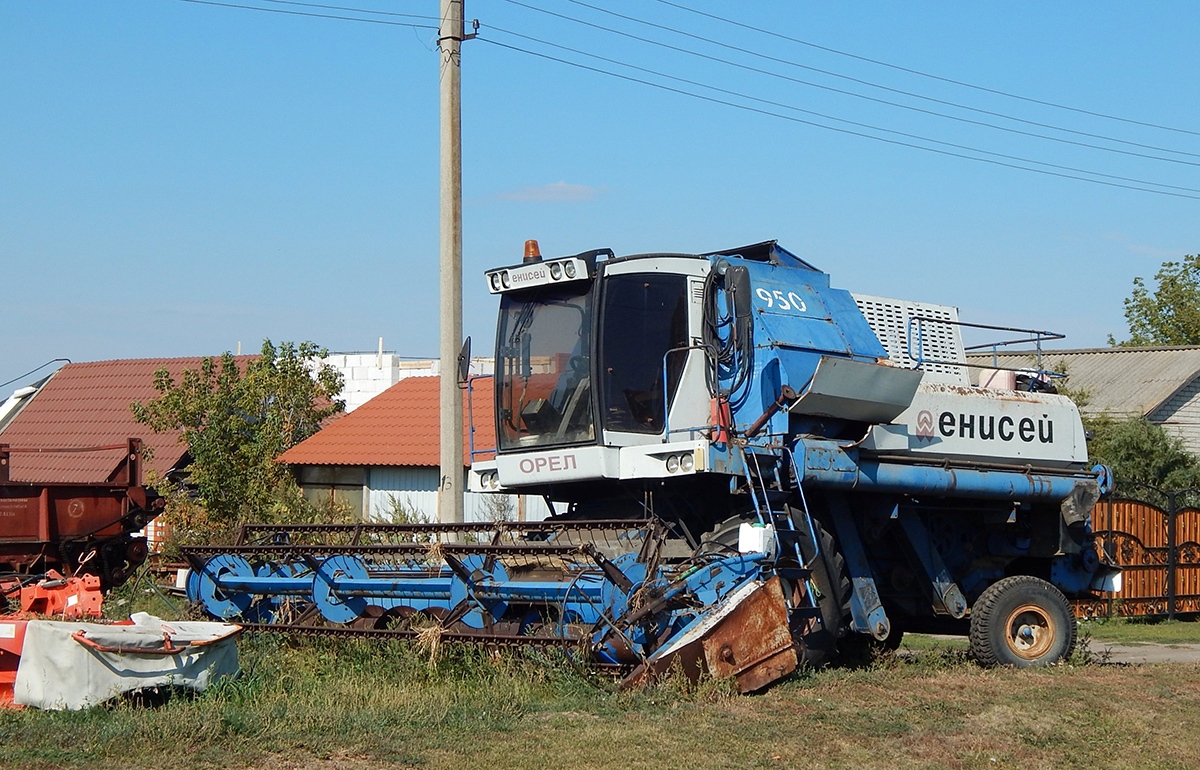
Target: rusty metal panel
[63, 526]
[42, 514]
[754, 643]
[20, 515]
[750, 642]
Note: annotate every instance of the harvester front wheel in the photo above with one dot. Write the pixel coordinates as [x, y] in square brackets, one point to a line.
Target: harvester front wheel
[817, 639]
[820, 641]
[1022, 621]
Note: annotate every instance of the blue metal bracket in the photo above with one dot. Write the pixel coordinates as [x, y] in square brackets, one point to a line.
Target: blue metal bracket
[865, 606]
[948, 598]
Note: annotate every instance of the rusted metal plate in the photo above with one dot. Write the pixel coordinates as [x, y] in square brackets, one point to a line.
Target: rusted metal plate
[747, 639]
[21, 516]
[46, 526]
[753, 643]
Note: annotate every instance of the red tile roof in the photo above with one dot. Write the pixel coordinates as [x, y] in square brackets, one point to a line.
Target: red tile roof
[398, 427]
[86, 405]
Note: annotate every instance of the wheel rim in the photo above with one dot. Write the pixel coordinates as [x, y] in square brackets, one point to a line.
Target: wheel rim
[1030, 632]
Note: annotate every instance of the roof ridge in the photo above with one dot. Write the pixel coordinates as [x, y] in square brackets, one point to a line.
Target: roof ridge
[131, 361]
[399, 427]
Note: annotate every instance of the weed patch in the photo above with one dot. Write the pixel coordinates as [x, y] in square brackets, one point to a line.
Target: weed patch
[348, 704]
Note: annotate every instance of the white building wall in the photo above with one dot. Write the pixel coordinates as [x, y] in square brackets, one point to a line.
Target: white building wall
[1180, 416]
[366, 375]
[414, 489]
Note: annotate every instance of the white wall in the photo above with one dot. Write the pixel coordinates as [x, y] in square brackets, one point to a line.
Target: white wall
[415, 488]
[1180, 416]
[367, 375]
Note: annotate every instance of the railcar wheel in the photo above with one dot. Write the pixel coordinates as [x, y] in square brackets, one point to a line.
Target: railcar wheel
[1022, 621]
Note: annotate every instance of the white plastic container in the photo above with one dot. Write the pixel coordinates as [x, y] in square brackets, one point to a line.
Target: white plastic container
[756, 538]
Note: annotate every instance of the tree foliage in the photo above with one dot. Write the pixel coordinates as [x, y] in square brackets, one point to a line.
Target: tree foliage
[235, 423]
[1139, 451]
[1170, 314]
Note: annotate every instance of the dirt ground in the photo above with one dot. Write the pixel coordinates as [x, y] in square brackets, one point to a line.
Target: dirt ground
[1127, 653]
[1112, 652]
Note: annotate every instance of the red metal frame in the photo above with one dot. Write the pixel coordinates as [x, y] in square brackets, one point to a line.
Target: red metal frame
[12, 639]
[55, 596]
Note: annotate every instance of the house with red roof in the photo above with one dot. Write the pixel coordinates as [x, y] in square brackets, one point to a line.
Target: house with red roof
[68, 431]
[382, 458]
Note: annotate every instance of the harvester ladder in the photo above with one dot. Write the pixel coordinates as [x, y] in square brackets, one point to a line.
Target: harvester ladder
[808, 530]
[787, 535]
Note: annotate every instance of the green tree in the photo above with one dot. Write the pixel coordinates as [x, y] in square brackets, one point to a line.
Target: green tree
[1137, 450]
[1170, 314]
[235, 423]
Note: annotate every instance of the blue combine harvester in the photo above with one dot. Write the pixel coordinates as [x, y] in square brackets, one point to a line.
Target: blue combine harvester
[749, 471]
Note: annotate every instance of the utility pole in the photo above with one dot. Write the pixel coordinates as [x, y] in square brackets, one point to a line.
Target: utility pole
[450, 37]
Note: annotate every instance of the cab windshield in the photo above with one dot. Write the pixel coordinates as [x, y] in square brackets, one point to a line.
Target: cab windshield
[544, 389]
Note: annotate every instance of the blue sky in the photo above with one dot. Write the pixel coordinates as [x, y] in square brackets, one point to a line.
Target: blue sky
[177, 177]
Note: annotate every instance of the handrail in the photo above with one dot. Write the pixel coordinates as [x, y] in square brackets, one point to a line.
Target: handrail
[471, 450]
[666, 386]
[1039, 336]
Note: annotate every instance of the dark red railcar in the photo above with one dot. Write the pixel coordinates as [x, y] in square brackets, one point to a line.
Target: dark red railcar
[79, 528]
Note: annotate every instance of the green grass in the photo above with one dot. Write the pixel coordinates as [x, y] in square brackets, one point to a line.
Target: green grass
[344, 705]
[1136, 631]
[927, 643]
[1131, 631]
[356, 704]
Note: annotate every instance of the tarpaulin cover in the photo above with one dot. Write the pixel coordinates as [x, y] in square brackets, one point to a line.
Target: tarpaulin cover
[67, 665]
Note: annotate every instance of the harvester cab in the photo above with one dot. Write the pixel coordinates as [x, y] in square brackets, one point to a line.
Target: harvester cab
[644, 368]
[748, 470]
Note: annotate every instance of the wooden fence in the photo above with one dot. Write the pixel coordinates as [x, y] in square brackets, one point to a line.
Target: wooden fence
[1155, 537]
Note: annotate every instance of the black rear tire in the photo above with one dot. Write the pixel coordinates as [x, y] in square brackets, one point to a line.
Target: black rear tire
[1022, 621]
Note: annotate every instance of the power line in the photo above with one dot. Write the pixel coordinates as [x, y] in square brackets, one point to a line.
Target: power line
[783, 61]
[930, 75]
[763, 101]
[314, 15]
[828, 128]
[354, 10]
[855, 95]
[34, 371]
[834, 117]
[871, 84]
